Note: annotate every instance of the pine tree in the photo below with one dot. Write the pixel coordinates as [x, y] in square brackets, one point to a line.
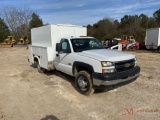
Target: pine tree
[35, 21]
[156, 15]
[4, 31]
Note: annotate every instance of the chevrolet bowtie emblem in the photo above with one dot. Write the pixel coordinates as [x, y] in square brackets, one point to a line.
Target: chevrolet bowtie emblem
[127, 64]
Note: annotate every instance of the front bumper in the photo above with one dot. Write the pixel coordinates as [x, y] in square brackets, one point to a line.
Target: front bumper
[115, 78]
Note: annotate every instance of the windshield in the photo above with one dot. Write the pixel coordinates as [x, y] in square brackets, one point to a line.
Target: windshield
[81, 44]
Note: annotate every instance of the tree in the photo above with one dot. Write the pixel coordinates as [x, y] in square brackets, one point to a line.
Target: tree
[152, 23]
[156, 15]
[135, 25]
[144, 20]
[89, 30]
[35, 21]
[104, 28]
[17, 19]
[4, 31]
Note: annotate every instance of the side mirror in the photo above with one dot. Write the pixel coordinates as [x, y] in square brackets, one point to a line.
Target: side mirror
[58, 47]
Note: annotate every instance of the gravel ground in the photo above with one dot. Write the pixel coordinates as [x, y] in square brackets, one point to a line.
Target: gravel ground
[26, 94]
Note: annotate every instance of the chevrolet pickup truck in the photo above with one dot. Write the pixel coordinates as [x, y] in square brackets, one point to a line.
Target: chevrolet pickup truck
[66, 48]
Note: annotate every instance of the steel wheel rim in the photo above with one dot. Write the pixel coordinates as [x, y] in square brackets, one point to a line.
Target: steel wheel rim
[82, 83]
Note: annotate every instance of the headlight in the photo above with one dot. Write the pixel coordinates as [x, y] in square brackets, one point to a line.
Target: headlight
[107, 64]
[135, 61]
[107, 71]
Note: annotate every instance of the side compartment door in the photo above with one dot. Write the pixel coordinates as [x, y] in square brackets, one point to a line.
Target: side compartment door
[30, 57]
[64, 59]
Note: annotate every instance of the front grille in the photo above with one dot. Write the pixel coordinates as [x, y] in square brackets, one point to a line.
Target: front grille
[125, 65]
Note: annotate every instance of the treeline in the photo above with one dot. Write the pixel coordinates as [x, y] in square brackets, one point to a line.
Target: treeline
[17, 22]
[133, 25]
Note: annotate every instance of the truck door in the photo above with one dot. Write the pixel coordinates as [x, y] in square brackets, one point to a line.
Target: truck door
[64, 58]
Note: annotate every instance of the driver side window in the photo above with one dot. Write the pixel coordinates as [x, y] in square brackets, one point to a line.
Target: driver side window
[65, 46]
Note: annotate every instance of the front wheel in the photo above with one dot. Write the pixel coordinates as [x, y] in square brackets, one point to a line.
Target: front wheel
[158, 49]
[84, 83]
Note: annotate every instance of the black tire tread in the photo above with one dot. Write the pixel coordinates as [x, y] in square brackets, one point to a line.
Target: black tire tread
[40, 70]
[87, 74]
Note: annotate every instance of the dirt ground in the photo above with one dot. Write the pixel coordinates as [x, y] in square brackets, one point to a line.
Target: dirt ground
[26, 94]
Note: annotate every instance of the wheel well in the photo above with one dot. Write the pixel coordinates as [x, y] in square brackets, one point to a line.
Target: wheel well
[79, 68]
[36, 60]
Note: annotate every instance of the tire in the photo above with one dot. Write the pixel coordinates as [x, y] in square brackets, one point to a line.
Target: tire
[83, 82]
[40, 70]
[158, 49]
[135, 48]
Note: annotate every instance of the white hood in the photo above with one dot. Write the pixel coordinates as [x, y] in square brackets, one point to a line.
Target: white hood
[107, 55]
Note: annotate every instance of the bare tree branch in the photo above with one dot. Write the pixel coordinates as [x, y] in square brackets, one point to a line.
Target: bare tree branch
[17, 19]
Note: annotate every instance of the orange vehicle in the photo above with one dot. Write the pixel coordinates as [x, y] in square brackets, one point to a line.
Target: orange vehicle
[124, 41]
[129, 42]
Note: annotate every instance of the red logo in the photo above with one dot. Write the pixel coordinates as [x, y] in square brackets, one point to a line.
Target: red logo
[128, 111]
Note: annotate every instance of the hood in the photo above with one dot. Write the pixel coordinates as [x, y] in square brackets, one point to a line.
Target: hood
[107, 55]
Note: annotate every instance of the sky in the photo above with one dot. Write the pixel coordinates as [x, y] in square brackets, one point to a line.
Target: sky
[84, 12]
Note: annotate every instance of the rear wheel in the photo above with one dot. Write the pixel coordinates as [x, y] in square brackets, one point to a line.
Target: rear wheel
[84, 83]
[40, 69]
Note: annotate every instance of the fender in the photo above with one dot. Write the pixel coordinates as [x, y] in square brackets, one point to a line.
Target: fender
[88, 66]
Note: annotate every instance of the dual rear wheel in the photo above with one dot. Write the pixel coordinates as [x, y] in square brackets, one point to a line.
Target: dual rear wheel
[40, 69]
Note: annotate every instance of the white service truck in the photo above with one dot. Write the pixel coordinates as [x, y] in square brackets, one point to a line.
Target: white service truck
[67, 48]
[152, 40]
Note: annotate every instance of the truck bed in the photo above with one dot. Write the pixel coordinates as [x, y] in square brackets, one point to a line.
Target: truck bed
[45, 55]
